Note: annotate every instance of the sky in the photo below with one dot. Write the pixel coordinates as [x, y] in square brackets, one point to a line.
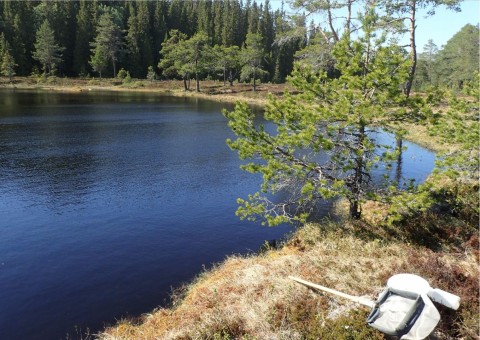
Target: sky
[439, 27]
[445, 23]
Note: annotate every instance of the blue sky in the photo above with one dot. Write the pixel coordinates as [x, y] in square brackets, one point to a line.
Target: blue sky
[439, 27]
[444, 24]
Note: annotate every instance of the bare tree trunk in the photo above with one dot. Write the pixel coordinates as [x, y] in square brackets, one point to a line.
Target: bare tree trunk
[355, 208]
[330, 22]
[413, 49]
[114, 68]
[185, 82]
[349, 17]
[411, 73]
[230, 78]
[398, 172]
[197, 79]
[197, 82]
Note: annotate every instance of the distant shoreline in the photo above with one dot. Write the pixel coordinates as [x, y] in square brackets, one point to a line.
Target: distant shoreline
[209, 90]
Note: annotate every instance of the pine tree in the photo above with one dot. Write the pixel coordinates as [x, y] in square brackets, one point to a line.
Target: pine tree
[108, 42]
[204, 18]
[228, 33]
[47, 51]
[169, 61]
[252, 57]
[218, 22]
[99, 60]
[253, 18]
[227, 60]
[322, 147]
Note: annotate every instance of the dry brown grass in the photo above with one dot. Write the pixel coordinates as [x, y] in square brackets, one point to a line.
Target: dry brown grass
[252, 297]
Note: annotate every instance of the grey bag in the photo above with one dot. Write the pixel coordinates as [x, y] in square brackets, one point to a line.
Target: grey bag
[404, 314]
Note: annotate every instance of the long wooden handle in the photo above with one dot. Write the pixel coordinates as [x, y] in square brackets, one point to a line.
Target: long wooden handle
[361, 300]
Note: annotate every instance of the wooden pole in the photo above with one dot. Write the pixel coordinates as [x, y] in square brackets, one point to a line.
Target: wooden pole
[361, 300]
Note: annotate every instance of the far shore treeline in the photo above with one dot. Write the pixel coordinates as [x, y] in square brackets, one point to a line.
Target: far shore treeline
[141, 28]
[225, 40]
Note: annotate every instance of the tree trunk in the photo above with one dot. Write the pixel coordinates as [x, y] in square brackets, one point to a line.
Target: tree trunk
[224, 76]
[330, 22]
[413, 49]
[349, 17]
[230, 78]
[413, 67]
[398, 172]
[254, 80]
[185, 82]
[197, 80]
[355, 211]
[114, 68]
[355, 208]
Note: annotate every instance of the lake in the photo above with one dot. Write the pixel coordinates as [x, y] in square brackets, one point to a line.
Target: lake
[108, 200]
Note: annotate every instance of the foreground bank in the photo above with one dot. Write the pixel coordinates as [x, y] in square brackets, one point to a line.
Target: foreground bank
[252, 298]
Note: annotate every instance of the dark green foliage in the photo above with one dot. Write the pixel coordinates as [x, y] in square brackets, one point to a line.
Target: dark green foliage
[143, 26]
[84, 35]
[454, 65]
[458, 61]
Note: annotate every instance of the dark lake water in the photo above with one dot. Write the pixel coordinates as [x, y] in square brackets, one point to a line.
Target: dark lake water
[107, 200]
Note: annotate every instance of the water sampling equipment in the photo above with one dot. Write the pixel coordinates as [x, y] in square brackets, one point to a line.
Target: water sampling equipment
[404, 309]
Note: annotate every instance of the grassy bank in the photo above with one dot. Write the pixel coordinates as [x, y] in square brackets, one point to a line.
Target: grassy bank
[252, 297]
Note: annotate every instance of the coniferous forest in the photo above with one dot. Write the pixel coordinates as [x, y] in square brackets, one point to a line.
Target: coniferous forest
[182, 39]
[99, 38]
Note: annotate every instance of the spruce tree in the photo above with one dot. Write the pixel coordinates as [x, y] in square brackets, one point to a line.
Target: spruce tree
[159, 29]
[7, 63]
[145, 41]
[133, 39]
[84, 34]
